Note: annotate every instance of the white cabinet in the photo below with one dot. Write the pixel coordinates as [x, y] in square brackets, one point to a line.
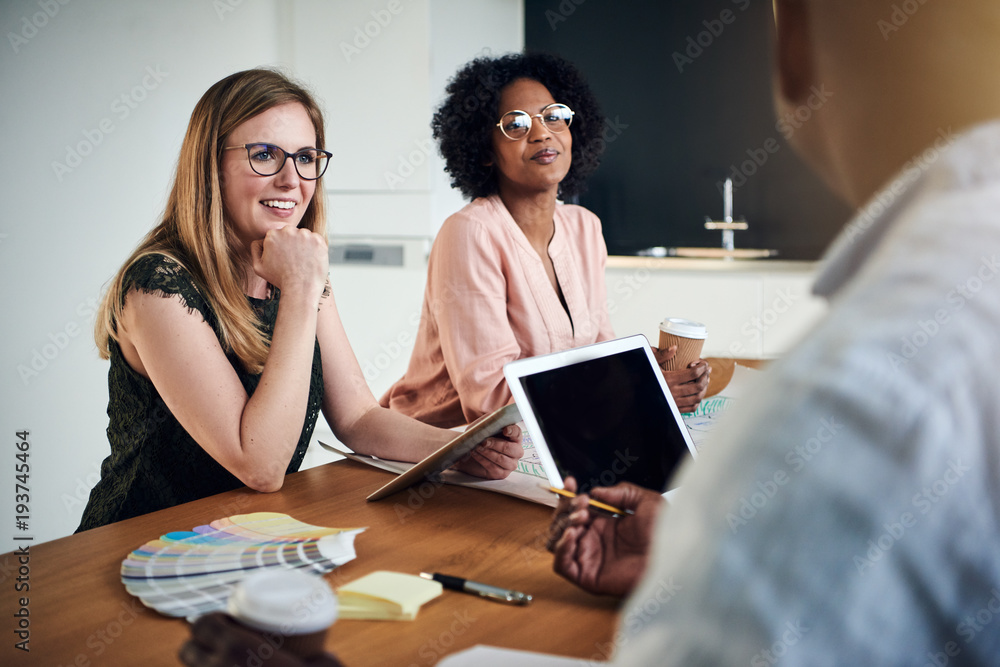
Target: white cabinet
[755, 310]
[379, 68]
[369, 62]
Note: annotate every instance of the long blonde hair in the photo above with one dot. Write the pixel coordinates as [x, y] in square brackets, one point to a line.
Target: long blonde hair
[194, 232]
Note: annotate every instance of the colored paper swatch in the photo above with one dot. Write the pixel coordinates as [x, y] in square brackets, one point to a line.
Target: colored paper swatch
[192, 572]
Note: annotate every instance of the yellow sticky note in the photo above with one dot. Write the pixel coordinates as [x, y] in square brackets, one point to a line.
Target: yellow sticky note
[385, 596]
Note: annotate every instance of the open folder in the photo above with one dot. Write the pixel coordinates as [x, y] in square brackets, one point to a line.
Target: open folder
[484, 427]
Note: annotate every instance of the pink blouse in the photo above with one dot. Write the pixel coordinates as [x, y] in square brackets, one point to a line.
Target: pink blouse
[489, 301]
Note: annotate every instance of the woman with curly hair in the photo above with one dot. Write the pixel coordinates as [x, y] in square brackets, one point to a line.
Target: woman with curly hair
[514, 274]
[223, 337]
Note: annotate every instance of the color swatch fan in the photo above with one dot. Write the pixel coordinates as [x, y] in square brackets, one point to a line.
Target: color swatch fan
[190, 573]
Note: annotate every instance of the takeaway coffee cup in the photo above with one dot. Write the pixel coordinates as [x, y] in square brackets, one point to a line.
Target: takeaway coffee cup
[291, 610]
[688, 336]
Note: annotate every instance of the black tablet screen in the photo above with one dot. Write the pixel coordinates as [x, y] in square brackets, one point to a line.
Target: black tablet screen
[606, 420]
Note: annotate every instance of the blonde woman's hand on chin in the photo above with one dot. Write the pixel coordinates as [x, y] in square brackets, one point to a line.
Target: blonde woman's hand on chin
[292, 259]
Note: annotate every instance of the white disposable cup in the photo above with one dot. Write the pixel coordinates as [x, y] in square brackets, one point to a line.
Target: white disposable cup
[297, 607]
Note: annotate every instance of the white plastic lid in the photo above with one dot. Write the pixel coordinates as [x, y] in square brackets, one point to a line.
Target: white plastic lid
[683, 328]
[288, 602]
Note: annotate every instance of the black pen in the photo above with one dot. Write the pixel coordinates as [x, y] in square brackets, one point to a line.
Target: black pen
[476, 588]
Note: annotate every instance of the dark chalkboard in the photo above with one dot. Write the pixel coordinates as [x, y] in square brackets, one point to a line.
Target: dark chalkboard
[686, 87]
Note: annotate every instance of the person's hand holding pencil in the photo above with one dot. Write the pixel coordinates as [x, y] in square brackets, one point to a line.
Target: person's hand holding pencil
[604, 551]
[610, 510]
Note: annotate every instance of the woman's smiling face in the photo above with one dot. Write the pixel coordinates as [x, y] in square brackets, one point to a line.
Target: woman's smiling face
[255, 204]
[538, 161]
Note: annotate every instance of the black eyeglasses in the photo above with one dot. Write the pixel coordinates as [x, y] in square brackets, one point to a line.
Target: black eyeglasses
[516, 124]
[268, 160]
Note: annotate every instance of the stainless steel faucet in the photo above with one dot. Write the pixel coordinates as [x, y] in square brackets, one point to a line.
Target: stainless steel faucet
[726, 225]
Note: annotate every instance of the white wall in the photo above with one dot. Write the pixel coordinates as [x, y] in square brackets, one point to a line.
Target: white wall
[383, 337]
[382, 330]
[97, 97]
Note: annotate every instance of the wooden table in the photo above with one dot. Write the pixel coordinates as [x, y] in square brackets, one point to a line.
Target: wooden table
[80, 613]
[722, 371]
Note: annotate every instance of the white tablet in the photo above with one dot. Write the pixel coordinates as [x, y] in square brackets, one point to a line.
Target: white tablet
[602, 413]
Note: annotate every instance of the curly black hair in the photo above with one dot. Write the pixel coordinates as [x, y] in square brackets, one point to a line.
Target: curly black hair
[463, 125]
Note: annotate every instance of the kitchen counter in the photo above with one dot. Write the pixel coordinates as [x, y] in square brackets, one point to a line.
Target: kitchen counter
[719, 265]
[754, 309]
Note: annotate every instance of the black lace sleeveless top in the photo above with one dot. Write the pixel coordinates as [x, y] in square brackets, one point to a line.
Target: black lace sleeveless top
[154, 463]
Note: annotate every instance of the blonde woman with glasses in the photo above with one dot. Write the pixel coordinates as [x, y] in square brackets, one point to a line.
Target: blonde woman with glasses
[224, 340]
